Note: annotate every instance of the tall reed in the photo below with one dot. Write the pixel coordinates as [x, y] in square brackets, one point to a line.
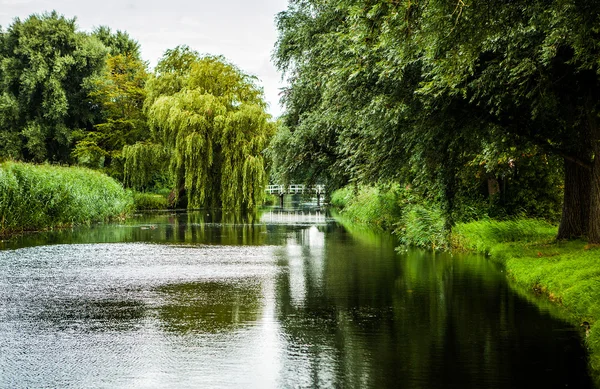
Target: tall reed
[34, 197]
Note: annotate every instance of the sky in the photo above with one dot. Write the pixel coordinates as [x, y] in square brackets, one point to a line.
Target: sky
[241, 30]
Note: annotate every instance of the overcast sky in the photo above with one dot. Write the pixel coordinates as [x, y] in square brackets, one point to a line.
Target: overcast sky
[241, 30]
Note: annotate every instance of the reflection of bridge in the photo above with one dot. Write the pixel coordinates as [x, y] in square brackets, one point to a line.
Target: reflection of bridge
[282, 190]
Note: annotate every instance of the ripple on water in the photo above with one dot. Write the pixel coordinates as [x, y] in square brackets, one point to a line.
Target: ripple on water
[125, 302]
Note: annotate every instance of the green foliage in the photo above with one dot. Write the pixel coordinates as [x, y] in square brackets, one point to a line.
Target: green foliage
[374, 206]
[424, 92]
[46, 68]
[414, 220]
[148, 201]
[120, 92]
[528, 182]
[34, 197]
[211, 118]
[118, 43]
[145, 163]
[341, 198]
[424, 226]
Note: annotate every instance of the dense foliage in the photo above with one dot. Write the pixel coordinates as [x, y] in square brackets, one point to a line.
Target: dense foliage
[476, 105]
[208, 121]
[34, 197]
[46, 68]
[119, 92]
[72, 97]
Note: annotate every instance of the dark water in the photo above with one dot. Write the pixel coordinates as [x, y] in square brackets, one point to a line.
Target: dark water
[295, 301]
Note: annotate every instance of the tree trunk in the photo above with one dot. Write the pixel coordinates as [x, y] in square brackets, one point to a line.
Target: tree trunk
[594, 220]
[576, 205]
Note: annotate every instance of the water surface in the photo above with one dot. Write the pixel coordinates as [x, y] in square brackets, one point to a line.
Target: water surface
[296, 300]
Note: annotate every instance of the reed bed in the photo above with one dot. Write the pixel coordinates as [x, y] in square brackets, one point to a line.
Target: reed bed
[37, 197]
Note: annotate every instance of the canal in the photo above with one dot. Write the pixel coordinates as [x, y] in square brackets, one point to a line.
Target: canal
[296, 300]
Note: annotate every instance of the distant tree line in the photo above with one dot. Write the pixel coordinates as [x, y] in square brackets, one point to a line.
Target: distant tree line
[72, 97]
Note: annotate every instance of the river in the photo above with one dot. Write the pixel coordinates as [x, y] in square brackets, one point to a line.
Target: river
[185, 300]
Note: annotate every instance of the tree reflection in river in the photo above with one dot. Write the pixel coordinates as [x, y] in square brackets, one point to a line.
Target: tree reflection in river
[200, 307]
[294, 300]
[359, 319]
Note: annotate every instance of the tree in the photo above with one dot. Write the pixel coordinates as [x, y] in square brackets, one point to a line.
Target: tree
[426, 86]
[533, 65]
[120, 93]
[45, 72]
[211, 117]
[118, 43]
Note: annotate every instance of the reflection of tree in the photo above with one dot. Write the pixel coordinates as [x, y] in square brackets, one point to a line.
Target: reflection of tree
[378, 319]
[209, 307]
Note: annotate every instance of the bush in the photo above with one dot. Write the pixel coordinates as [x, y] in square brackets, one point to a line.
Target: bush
[34, 197]
[145, 201]
[378, 207]
[341, 198]
[397, 209]
[422, 226]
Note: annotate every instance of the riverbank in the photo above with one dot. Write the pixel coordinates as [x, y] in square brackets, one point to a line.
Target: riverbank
[568, 273]
[38, 197]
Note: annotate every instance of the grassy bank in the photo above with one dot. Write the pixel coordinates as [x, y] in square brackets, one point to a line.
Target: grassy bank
[393, 208]
[149, 201]
[567, 272]
[36, 197]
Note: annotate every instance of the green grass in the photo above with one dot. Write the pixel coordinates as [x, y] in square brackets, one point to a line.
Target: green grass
[485, 235]
[147, 201]
[369, 205]
[36, 197]
[567, 272]
[395, 209]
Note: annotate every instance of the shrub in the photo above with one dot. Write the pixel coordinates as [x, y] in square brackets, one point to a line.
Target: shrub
[145, 201]
[422, 226]
[375, 206]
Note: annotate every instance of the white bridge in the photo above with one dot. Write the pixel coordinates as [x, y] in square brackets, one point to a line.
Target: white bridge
[318, 190]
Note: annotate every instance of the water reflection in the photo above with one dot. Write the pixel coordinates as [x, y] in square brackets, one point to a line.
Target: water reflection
[208, 307]
[189, 300]
[182, 227]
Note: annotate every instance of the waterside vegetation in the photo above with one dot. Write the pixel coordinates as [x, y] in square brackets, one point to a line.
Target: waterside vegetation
[36, 197]
[71, 97]
[565, 272]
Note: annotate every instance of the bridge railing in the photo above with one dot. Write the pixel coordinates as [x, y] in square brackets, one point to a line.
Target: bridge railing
[295, 189]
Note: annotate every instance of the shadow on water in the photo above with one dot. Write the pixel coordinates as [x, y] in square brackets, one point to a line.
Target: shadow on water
[421, 319]
[293, 300]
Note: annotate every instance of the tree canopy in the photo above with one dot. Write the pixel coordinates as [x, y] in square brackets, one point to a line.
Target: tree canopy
[419, 91]
[210, 118]
[46, 68]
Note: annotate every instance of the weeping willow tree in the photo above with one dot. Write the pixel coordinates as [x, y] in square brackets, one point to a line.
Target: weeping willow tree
[211, 117]
[143, 161]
